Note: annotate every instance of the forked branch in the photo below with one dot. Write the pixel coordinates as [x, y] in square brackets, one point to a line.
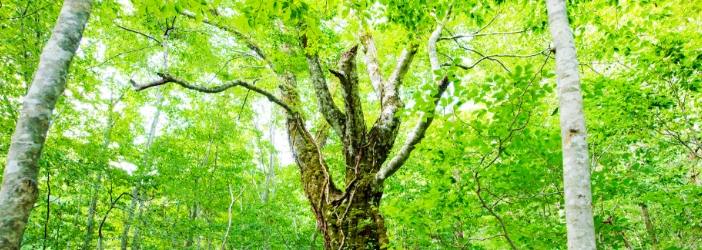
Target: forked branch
[424, 121]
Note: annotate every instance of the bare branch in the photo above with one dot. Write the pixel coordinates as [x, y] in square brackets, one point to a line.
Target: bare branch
[243, 38]
[490, 209]
[491, 57]
[480, 34]
[489, 23]
[167, 78]
[118, 55]
[139, 33]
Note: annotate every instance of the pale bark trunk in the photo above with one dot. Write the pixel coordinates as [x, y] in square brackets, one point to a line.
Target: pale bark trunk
[135, 191]
[135, 236]
[91, 212]
[269, 189]
[127, 224]
[229, 221]
[19, 190]
[576, 170]
[92, 209]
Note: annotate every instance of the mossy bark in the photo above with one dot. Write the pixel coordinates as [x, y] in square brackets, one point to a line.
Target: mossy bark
[349, 218]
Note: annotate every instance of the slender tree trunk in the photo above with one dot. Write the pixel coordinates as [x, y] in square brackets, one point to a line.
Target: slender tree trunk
[269, 189]
[19, 190]
[135, 234]
[124, 241]
[77, 216]
[90, 228]
[649, 225]
[229, 221]
[576, 170]
[98, 180]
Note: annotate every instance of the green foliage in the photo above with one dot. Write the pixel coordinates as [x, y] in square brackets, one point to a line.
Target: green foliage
[489, 167]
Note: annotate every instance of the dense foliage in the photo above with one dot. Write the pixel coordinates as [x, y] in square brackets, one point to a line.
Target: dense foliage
[171, 168]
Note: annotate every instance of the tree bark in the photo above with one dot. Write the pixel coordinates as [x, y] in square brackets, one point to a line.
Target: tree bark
[19, 190]
[576, 170]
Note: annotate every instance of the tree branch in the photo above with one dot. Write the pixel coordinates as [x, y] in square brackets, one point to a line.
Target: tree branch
[140, 33]
[433, 58]
[413, 139]
[401, 69]
[167, 78]
[387, 123]
[424, 121]
[372, 65]
[491, 57]
[355, 121]
[480, 34]
[240, 36]
[325, 102]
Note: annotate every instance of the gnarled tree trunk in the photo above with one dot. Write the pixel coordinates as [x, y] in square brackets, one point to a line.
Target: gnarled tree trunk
[19, 189]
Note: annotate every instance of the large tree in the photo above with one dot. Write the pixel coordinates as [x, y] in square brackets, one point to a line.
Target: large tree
[348, 216]
[19, 189]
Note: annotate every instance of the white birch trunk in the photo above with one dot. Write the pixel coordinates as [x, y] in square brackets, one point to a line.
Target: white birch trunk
[576, 170]
[19, 190]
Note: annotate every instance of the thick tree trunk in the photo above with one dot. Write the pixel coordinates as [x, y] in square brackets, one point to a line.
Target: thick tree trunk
[19, 189]
[349, 219]
[576, 170]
